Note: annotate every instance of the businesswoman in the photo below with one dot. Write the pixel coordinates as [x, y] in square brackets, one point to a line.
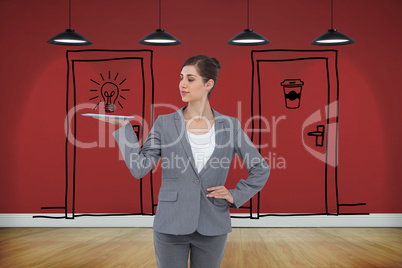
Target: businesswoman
[196, 145]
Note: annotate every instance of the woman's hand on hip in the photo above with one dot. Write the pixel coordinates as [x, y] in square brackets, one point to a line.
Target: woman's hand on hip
[220, 192]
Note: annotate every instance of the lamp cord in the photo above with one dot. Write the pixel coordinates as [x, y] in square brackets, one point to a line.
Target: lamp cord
[332, 14]
[160, 15]
[69, 14]
[248, 15]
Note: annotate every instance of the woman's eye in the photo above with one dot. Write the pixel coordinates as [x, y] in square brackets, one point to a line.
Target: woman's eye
[190, 80]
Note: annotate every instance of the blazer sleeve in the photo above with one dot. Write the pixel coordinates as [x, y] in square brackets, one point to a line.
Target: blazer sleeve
[256, 167]
[139, 160]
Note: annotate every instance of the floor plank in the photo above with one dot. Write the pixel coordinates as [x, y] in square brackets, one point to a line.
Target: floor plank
[246, 247]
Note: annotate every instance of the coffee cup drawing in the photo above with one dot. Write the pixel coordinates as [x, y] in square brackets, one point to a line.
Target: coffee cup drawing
[292, 89]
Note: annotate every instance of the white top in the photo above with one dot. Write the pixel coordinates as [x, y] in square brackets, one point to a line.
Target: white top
[202, 147]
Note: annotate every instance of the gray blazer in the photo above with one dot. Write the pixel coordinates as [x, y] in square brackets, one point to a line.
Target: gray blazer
[183, 207]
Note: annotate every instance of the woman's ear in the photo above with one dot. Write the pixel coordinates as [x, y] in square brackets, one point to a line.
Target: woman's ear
[209, 84]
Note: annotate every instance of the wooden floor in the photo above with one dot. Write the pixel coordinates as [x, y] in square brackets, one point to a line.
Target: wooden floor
[246, 247]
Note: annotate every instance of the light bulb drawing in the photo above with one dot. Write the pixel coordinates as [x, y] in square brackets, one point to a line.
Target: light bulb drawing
[109, 91]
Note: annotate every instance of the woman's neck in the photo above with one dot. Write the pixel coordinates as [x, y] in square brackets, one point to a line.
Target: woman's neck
[198, 111]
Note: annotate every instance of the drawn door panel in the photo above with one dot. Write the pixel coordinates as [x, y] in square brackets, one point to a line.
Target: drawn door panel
[290, 91]
[106, 82]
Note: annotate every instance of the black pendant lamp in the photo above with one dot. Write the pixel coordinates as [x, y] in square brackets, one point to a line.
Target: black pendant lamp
[332, 37]
[248, 37]
[160, 37]
[69, 37]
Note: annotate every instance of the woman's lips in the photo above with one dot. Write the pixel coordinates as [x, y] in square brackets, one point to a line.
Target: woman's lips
[184, 92]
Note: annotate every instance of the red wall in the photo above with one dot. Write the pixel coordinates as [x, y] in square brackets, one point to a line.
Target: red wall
[33, 75]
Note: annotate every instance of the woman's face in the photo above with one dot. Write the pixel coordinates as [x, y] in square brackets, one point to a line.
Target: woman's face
[192, 86]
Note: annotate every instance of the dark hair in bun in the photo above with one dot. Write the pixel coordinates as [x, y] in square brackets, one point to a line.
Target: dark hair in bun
[207, 67]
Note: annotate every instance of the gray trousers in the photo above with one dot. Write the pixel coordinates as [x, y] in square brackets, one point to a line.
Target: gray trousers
[172, 251]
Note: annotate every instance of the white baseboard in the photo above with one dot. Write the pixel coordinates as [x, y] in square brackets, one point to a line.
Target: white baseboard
[372, 220]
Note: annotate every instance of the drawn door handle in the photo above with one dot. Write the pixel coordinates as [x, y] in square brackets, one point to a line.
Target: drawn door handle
[136, 129]
[319, 135]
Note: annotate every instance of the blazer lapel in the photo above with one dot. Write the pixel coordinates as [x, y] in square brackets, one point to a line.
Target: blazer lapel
[219, 133]
[182, 133]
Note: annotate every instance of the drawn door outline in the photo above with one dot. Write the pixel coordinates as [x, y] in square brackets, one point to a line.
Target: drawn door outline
[331, 173]
[332, 204]
[93, 55]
